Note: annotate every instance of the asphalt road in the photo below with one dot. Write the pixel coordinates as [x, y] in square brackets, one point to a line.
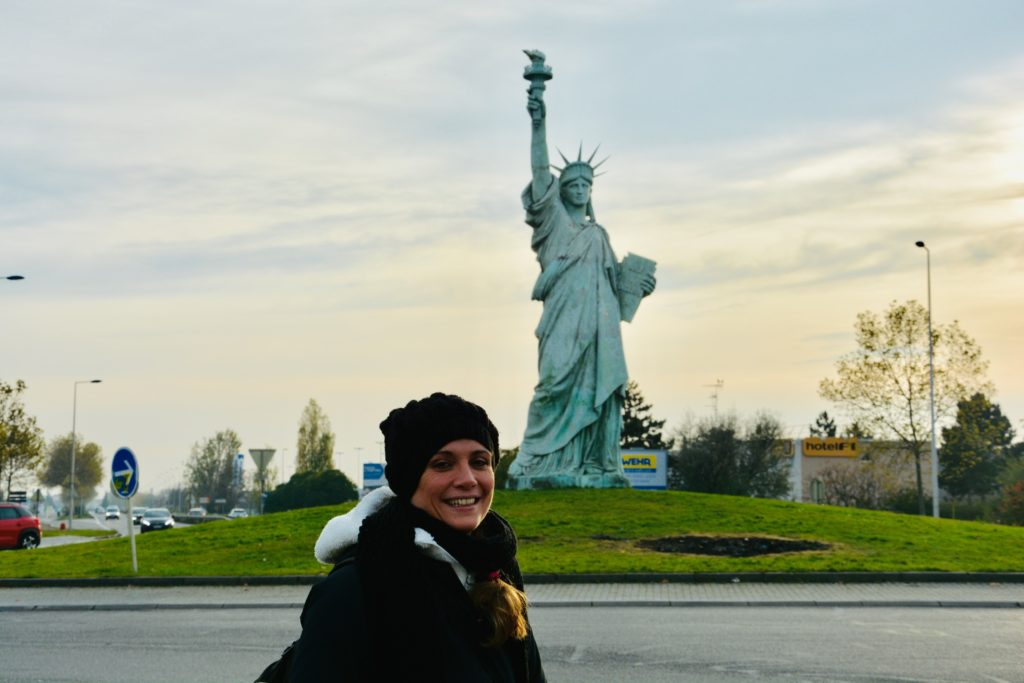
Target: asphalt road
[714, 644]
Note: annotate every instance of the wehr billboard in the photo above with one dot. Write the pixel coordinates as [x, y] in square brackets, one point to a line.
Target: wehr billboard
[646, 469]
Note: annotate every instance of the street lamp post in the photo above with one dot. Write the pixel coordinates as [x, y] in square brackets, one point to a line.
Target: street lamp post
[931, 384]
[74, 418]
[359, 461]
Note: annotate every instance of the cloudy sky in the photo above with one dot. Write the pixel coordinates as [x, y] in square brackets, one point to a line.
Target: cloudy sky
[224, 208]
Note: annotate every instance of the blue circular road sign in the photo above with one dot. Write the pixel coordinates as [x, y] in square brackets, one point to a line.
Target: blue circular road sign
[124, 473]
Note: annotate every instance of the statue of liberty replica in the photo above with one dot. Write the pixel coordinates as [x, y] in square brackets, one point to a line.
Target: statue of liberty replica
[575, 419]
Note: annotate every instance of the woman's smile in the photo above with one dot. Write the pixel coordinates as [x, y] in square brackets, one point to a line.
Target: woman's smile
[457, 486]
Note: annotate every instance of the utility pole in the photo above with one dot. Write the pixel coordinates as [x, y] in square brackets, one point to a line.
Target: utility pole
[716, 387]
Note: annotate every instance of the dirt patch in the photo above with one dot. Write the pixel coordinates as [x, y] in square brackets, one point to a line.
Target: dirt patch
[729, 546]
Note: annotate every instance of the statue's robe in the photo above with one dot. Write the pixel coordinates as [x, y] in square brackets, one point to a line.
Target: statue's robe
[575, 417]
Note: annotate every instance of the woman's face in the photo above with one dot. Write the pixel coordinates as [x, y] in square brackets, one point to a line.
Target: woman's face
[457, 486]
[576, 193]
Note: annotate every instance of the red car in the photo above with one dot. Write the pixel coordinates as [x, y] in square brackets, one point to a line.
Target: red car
[19, 528]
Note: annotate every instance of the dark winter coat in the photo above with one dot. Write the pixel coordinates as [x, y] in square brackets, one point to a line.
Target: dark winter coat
[440, 630]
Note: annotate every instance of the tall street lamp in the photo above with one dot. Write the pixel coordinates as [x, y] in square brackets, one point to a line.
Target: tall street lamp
[74, 418]
[931, 384]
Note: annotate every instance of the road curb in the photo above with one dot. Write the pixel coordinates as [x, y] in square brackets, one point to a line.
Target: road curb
[973, 604]
[534, 579]
[783, 577]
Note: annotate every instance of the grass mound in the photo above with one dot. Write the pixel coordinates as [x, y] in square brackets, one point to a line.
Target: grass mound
[574, 531]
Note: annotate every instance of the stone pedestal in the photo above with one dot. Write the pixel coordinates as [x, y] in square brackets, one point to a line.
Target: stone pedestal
[610, 480]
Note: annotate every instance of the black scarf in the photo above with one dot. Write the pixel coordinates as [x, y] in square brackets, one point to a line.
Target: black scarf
[400, 583]
[491, 547]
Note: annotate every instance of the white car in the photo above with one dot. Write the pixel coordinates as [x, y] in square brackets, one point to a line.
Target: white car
[237, 512]
[113, 512]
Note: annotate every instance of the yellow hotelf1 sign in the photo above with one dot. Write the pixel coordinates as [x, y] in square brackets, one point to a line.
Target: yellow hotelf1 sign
[831, 447]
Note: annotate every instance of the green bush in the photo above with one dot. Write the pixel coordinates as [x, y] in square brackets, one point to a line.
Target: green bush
[1011, 510]
[973, 509]
[904, 501]
[309, 489]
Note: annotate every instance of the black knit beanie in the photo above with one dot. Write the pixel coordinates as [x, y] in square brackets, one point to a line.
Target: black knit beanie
[416, 432]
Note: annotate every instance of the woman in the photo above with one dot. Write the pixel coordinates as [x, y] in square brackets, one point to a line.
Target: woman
[575, 418]
[426, 586]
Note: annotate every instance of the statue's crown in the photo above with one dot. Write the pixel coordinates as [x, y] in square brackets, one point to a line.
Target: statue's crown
[579, 168]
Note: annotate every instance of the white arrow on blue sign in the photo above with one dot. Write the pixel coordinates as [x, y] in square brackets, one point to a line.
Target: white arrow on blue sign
[124, 473]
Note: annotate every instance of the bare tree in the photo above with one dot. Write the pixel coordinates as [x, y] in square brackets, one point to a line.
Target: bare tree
[209, 469]
[867, 483]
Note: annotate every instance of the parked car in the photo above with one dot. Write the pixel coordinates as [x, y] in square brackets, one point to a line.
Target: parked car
[196, 513]
[113, 512]
[19, 528]
[155, 519]
[137, 514]
[237, 512]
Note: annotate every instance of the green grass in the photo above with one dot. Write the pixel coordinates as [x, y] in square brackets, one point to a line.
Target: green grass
[557, 530]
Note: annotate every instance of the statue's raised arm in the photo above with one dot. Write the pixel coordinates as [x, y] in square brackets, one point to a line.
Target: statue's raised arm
[537, 73]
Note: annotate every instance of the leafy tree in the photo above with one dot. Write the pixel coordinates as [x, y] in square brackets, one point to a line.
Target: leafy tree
[88, 468]
[311, 489]
[21, 441]
[208, 471]
[824, 426]
[315, 449]
[974, 449]
[717, 458]
[857, 430]
[884, 385]
[639, 429]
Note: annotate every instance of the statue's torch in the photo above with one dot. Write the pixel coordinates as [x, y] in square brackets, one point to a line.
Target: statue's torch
[537, 72]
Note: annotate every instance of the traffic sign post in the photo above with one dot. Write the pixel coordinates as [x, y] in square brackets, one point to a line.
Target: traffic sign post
[124, 479]
[262, 457]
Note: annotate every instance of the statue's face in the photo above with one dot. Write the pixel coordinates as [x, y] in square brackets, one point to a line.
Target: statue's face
[576, 193]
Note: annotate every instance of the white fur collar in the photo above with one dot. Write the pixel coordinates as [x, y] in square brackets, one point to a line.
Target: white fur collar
[342, 532]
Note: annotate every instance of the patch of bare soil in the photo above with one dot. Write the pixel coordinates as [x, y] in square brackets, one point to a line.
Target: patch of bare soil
[729, 546]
